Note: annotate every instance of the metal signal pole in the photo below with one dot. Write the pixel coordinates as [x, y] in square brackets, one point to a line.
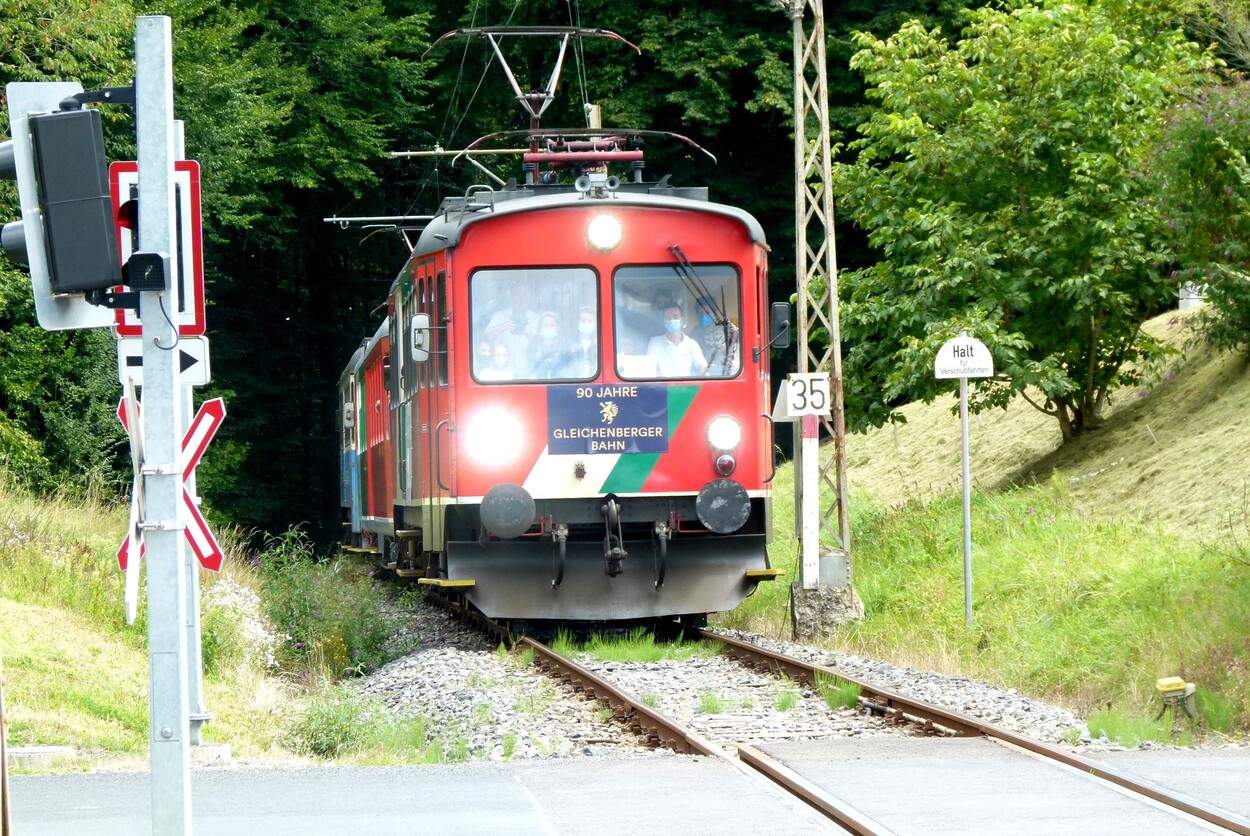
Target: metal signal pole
[152, 271]
[816, 269]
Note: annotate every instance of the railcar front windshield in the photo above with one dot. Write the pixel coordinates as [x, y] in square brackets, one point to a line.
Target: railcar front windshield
[535, 324]
[677, 321]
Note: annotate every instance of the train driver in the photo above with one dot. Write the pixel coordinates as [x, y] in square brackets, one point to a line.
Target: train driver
[676, 354]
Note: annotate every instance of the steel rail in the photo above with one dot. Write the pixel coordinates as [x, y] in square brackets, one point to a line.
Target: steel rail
[879, 699]
[847, 817]
[658, 729]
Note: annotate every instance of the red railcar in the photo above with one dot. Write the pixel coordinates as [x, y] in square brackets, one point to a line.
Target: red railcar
[570, 405]
[565, 414]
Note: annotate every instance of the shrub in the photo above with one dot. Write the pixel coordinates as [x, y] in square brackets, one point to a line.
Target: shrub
[329, 609]
[335, 723]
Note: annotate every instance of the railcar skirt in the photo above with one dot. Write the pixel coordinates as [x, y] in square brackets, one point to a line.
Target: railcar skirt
[513, 579]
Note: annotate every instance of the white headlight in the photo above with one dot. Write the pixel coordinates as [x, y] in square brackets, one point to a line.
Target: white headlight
[724, 433]
[494, 436]
[604, 232]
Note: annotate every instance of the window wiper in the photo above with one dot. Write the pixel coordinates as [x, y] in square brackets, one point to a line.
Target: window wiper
[698, 289]
[703, 297]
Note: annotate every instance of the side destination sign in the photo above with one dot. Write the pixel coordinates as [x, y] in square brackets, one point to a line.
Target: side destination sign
[616, 418]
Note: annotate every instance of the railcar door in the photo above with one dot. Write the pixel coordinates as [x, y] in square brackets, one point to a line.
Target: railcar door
[438, 468]
[349, 477]
[407, 409]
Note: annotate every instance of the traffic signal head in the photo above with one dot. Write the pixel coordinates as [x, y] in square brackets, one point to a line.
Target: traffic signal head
[66, 234]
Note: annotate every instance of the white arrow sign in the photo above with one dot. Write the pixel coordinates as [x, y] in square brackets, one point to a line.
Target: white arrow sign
[193, 365]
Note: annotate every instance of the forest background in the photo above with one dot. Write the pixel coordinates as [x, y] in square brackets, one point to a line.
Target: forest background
[293, 109]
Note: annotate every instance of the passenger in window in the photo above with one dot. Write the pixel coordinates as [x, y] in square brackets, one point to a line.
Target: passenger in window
[719, 340]
[500, 367]
[482, 357]
[549, 355]
[517, 324]
[676, 354]
[586, 348]
[630, 364]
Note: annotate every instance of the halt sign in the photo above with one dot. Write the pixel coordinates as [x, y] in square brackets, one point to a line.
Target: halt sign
[963, 356]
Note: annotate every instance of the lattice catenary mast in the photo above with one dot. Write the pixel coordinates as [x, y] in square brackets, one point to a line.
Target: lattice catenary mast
[816, 270]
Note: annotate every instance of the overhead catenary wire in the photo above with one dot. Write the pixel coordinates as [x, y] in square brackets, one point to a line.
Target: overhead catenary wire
[579, 58]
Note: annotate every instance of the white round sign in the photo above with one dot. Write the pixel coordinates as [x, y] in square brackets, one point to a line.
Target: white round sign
[963, 357]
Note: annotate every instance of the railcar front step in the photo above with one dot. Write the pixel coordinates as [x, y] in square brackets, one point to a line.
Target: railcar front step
[764, 574]
[446, 583]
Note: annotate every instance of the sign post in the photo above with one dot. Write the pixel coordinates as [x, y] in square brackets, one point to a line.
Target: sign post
[804, 398]
[964, 357]
[153, 271]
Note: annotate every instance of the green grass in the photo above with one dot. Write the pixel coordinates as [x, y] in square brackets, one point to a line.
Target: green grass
[479, 681]
[536, 702]
[837, 693]
[1098, 566]
[710, 702]
[1132, 730]
[785, 696]
[1081, 609]
[638, 645]
[59, 553]
[1087, 610]
[524, 657]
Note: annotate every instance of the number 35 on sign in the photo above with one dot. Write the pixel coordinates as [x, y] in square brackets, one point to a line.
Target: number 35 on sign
[803, 394]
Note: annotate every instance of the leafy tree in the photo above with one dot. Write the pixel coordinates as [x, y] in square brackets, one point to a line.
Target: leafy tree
[999, 177]
[291, 111]
[58, 389]
[1203, 177]
[1225, 23]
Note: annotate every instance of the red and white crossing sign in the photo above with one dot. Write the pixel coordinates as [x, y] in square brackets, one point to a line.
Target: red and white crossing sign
[123, 178]
[201, 540]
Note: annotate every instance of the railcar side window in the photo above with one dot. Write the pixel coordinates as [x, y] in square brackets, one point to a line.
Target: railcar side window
[532, 325]
[674, 323]
[441, 328]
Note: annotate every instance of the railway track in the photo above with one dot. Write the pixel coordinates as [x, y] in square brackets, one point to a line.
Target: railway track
[661, 730]
[658, 729]
[932, 717]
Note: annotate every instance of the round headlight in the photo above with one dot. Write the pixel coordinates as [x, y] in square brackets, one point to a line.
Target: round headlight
[494, 436]
[724, 433]
[604, 232]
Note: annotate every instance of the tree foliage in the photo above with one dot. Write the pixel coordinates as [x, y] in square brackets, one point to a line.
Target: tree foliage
[291, 111]
[57, 389]
[1202, 178]
[999, 177]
